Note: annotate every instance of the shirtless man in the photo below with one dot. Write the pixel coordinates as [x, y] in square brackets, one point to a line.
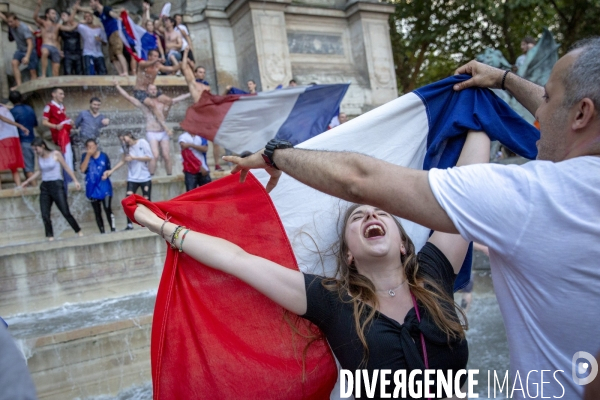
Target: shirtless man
[155, 133]
[173, 42]
[197, 85]
[146, 74]
[49, 28]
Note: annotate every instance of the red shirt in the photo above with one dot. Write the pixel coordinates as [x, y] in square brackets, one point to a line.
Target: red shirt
[55, 114]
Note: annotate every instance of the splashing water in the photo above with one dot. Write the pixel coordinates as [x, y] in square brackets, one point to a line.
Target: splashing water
[82, 315]
[143, 392]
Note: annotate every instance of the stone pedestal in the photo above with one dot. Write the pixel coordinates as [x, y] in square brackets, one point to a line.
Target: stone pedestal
[320, 41]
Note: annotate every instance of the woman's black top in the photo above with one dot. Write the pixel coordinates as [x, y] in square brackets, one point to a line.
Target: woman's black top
[392, 345]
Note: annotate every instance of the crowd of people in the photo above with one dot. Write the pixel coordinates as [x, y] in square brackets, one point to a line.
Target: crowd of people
[381, 278]
[72, 42]
[81, 152]
[78, 140]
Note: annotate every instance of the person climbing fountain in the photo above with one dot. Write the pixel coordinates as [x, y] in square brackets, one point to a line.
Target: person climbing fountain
[51, 164]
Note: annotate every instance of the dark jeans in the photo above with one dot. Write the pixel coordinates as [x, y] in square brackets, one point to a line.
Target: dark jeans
[94, 65]
[54, 192]
[110, 217]
[192, 181]
[132, 187]
[72, 64]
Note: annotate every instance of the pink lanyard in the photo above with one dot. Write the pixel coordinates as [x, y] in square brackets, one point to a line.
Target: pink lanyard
[422, 337]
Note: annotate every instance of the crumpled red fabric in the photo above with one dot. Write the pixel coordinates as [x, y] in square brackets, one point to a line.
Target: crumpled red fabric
[62, 137]
[214, 336]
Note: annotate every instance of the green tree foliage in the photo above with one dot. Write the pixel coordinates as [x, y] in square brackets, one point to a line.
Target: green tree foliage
[430, 38]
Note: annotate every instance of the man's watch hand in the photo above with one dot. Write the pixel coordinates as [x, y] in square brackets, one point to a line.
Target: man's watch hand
[254, 161]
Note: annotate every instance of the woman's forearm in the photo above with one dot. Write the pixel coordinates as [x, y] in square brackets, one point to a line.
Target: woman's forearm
[282, 285]
[476, 149]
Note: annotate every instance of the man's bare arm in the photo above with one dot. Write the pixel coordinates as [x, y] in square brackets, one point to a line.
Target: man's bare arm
[189, 77]
[129, 98]
[527, 93]
[362, 179]
[3, 17]
[181, 98]
[145, 63]
[36, 14]
[169, 69]
[359, 179]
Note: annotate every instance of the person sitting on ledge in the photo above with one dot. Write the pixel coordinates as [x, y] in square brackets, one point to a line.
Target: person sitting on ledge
[25, 55]
[49, 29]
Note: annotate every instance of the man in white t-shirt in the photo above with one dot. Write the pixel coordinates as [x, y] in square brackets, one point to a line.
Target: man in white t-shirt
[137, 154]
[541, 220]
[92, 37]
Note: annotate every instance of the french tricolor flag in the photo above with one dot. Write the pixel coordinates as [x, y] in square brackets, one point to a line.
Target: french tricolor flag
[246, 122]
[10, 147]
[214, 336]
[423, 129]
[136, 39]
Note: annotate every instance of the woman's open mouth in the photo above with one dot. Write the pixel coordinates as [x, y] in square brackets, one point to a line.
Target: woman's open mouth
[373, 231]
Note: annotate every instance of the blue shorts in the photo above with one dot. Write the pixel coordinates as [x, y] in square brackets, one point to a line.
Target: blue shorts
[175, 53]
[28, 156]
[33, 58]
[54, 53]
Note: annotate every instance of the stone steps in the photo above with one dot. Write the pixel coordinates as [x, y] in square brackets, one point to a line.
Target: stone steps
[37, 276]
[87, 349]
[22, 210]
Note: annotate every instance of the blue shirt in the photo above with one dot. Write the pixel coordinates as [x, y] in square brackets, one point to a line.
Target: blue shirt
[110, 24]
[89, 125]
[95, 187]
[24, 115]
[202, 81]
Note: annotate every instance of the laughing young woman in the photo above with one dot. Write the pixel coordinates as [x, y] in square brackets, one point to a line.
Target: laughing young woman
[388, 307]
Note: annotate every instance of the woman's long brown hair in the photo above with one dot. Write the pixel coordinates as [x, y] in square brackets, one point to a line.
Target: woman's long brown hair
[439, 305]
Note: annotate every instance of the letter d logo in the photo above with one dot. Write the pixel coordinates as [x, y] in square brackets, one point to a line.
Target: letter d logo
[581, 367]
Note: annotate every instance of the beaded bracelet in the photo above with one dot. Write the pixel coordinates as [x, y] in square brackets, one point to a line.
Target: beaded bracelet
[504, 78]
[162, 228]
[182, 239]
[175, 235]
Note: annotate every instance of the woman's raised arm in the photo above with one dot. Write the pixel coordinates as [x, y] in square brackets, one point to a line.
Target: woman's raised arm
[282, 285]
[475, 151]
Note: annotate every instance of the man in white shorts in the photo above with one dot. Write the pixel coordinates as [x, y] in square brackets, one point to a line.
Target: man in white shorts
[157, 137]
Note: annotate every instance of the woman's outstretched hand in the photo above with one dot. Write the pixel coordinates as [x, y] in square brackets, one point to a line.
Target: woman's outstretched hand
[254, 161]
[147, 218]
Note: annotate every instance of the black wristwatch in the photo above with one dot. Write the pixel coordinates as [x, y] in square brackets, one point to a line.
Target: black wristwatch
[270, 148]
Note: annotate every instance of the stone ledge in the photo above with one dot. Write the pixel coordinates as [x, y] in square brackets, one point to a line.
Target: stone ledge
[49, 274]
[93, 81]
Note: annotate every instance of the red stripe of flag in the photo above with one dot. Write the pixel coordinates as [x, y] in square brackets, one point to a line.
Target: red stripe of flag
[214, 336]
[205, 116]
